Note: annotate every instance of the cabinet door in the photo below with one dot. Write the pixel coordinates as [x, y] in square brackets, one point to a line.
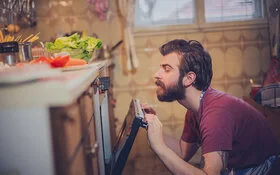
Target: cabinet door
[66, 134]
[88, 127]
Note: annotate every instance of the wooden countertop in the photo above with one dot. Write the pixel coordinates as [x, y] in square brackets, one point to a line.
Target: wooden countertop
[59, 90]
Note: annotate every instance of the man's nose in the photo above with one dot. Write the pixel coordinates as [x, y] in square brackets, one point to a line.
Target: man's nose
[157, 75]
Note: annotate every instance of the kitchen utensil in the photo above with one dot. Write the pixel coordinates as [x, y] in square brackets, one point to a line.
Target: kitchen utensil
[25, 52]
[116, 45]
[9, 52]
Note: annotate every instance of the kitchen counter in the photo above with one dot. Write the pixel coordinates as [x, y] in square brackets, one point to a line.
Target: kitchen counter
[59, 90]
[56, 124]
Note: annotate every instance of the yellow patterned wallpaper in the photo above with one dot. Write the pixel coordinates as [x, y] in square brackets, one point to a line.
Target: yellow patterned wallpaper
[238, 55]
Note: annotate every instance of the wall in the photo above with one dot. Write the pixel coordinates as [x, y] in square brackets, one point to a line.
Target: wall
[238, 55]
[56, 20]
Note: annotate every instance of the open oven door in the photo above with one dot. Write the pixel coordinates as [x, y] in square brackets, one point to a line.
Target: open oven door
[133, 120]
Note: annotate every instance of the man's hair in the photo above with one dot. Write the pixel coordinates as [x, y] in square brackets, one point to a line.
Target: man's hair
[193, 58]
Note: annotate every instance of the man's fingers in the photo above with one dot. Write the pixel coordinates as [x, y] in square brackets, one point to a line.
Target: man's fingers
[153, 121]
[147, 109]
[149, 118]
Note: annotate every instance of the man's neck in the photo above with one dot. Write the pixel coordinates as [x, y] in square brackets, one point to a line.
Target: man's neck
[192, 99]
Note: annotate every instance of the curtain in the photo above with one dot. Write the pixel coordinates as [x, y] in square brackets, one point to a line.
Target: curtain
[273, 15]
[127, 12]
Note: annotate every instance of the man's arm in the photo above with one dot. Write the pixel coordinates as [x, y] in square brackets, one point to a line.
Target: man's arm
[212, 163]
[188, 150]
[181, 148]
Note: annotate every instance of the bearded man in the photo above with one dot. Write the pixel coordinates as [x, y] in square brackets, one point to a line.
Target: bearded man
[234, 137]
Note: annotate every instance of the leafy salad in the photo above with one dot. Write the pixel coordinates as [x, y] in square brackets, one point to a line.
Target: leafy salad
[76, 46]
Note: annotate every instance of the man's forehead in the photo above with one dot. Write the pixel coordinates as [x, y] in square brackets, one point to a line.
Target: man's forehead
[171, 59]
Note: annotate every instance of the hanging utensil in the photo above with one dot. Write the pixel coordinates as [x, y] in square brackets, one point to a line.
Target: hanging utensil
[116, 46]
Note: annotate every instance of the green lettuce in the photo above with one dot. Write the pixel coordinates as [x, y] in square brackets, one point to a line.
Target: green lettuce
[76, 46]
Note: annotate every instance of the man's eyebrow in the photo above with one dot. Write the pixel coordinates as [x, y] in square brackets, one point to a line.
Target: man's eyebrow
[166, 65]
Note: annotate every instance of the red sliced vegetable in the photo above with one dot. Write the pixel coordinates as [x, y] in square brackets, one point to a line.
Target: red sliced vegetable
[60, 61]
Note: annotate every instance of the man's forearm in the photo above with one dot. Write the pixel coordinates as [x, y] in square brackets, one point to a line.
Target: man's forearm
[182, 149]
[173, 144]
[175, 164]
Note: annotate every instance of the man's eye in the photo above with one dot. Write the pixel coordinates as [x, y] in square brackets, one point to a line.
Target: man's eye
[167, 69]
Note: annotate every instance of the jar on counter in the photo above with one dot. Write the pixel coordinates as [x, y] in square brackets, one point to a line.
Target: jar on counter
[9, 53]
[25, 52]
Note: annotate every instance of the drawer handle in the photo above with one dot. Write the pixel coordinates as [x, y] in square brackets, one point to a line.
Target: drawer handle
[69, 118]
[89, 92]
[92, 150]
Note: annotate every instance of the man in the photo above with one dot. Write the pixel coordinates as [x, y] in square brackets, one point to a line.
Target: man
[234, 137]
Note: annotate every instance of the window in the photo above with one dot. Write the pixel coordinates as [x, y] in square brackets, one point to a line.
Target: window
[232, 10]
[166, 12]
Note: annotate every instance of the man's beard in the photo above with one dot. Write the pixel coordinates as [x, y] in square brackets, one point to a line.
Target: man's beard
[174, 92]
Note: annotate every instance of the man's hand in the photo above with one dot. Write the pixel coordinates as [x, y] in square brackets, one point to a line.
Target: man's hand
[147, 109]
[155, 132]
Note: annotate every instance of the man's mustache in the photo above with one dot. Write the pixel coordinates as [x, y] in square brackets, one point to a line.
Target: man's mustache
[159, 83]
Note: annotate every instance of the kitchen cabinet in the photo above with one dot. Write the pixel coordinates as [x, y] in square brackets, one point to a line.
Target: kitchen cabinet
[58, 125]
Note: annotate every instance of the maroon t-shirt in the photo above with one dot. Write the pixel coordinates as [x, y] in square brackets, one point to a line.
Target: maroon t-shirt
[227, 123]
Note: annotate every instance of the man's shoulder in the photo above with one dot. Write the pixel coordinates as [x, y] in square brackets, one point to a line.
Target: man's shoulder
[214, 96]
[213, 92]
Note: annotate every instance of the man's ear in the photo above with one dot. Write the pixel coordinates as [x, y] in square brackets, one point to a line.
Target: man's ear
[189, 79]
